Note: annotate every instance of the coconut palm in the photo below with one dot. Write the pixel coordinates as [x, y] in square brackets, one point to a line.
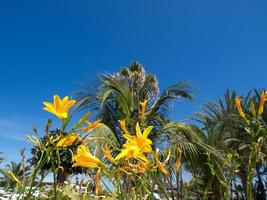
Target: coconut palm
[17, 170]
[118, 96]
[224, 129]
[122, 96]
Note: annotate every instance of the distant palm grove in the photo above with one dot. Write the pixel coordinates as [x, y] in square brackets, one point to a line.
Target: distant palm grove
[125, 145]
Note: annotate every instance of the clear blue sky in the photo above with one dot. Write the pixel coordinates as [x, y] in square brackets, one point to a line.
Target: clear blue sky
[48, 47]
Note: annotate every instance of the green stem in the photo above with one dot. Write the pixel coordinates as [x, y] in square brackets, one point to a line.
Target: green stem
[55, 182]
[40, 182]
[161, 188]
[63, 124]
[34, 174]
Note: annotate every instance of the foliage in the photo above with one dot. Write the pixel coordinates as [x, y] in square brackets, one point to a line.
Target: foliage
[237, 127]
[61, 158]
[133, 149]
[17, 170]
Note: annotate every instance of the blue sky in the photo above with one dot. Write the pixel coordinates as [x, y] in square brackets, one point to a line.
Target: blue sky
[49, 47]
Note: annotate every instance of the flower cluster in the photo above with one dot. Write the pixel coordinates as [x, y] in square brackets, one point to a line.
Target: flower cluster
[70, 149]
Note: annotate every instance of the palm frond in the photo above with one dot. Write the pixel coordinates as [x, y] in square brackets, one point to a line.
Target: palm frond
[179, 91]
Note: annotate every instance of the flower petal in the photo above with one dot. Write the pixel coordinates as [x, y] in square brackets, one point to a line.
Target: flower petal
[138, 130]
[147, 131]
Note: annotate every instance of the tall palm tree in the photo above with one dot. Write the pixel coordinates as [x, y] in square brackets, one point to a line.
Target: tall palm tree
[118, 96]
[18, 170]
[224, 129]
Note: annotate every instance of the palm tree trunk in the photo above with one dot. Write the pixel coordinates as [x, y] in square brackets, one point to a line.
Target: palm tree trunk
[171, 187]
[177, 185]
[181, 186]
[61, 177]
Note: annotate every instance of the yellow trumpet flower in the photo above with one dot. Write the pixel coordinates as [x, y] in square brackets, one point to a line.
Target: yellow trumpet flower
[84, 158]
[68, 140]
[141, 140]
[135, 146]
[131, 152]
[143, 108]
[60, 107]
[263, 99]
[91, 125]
[239, 108]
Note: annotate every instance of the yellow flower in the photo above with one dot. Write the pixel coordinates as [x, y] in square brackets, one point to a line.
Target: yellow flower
[263, 99]
[143, 108]
[161, 165]
[84, 158]
[59, 107]
[68, 140]
[140, 140]
[131, 151]
[91, 125]
[108, 155]
[14, 177]
[123, 126]
[135, 146]
[239, 108]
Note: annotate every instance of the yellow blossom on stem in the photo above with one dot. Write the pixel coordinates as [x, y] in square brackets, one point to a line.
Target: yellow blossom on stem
[68, 140]
[60, 107]
[84, 158]
[131, 151]
[123, 126]
[263, 99]
[91, 125]
[141, 140]
[143, 108]
[135, 146]
[239, 108]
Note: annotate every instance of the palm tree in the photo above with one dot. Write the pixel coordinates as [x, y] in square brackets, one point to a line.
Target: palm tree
[18, 170]
[224, 129]
[118, 96]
